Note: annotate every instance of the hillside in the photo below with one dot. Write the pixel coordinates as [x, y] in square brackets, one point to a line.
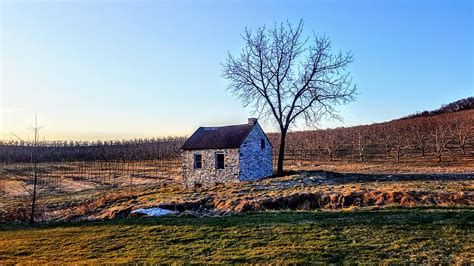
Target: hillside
[457, 106]
[443, 138]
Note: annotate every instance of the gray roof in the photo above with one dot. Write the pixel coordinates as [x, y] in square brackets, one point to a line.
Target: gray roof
[227, 137]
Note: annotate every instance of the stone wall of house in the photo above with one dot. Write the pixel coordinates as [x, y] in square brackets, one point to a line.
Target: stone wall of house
[255, 162]
[208, 175]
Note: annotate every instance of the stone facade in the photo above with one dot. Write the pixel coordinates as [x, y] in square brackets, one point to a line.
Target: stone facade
[208, 175]
[255, 161]
[250, 161]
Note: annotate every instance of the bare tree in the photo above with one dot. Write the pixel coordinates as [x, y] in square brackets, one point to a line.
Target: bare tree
[385, 132]
[419, 132]
[286, 77]
[34, 161]
[399, 145]
[34, 154]
[400, 141]
[332, 142]
[360, 144]
[440, 139]
[34, 158]
[461, 131]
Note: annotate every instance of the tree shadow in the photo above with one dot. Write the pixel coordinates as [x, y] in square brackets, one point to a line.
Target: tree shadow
[343, 178]
[393, 216]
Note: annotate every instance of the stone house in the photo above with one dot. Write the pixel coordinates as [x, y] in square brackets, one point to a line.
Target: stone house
[216, 155]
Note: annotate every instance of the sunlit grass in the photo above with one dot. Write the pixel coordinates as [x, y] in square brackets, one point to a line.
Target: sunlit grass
[411, 235]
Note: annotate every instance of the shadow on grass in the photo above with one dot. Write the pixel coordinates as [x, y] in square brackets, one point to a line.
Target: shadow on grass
[419, 216]
[343, 178]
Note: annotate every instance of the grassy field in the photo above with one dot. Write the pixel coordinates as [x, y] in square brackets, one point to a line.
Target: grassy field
[390, 235]
[421, 217]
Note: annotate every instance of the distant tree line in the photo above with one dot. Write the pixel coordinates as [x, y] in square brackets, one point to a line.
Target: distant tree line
[457, 106]
[437, 136]
[70, 151]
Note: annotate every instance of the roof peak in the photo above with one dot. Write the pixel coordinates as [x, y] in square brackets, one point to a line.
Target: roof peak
[252, 121]
[223, 137]
[217, 127]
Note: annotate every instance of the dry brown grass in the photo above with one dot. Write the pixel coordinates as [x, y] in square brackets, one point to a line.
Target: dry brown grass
[87, 198]
[408, 165]
[302, 191]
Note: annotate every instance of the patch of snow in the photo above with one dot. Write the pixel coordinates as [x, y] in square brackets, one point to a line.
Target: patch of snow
[154, 211]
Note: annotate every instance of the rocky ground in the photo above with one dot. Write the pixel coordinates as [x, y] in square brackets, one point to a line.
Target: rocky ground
[310, 190]
[304, 190]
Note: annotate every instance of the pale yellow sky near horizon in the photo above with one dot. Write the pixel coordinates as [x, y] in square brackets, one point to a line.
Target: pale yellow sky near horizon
[20, 129]
[15, 122]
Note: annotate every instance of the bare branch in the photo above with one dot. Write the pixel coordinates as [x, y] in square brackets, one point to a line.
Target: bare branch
[287, 77]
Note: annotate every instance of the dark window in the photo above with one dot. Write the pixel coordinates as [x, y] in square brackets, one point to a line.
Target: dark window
[219, 161]
[197, 161]
[262, 143]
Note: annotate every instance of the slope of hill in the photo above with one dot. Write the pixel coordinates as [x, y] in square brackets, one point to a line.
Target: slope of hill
[457, 106]
[447, 137]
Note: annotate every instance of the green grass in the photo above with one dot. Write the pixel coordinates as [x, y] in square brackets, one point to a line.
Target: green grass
[398, 235]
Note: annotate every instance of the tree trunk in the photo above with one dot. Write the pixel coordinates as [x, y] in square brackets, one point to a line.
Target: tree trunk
[35, 171]
[33, 203]
[281, 153]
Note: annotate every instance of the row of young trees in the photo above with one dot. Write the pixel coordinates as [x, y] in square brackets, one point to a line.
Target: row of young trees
[66, 177]
[72, 151]
[436, 135]
[99, 161]
[50, 174]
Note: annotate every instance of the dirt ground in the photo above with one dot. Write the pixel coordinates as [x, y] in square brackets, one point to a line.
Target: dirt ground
[60, 178]
[300, 190]
[427, 165]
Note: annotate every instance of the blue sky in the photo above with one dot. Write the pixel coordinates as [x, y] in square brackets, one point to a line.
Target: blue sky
[123, 69]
